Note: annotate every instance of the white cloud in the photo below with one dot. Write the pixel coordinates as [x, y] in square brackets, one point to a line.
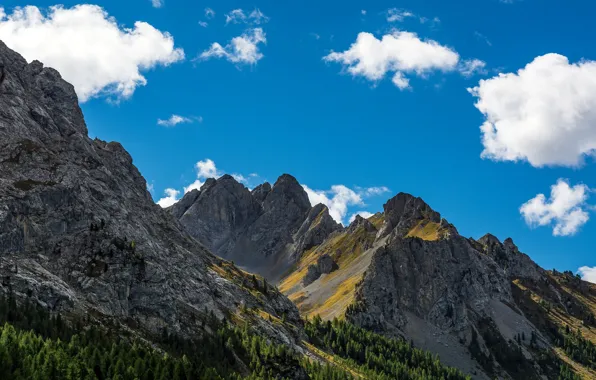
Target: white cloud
[238, 16]
[399, 53]
[205, 169]
[588, 274]
[364, 214]
[339, 198]
[363, 12]
[243, 49]
[374, 191]
[88, 47]
[399, 15]
[204, 24]
[177, 119]
[544, 114]
[471, 67]
[395, 14]
[157, 3]
[209, 13]
[170, 198]
[565, 209]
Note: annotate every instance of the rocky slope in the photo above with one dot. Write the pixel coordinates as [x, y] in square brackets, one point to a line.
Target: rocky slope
[263, 231]
[80, 233]
[406, 272]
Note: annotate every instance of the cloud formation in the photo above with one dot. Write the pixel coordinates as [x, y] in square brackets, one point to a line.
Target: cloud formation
[588, 274]
[566, 209]
[171, 197]
[89, 48]
[340, 197]
[243, 49]
[544, 114]
[238, 16]
[174, 120]
[400, 53]
[157, 3]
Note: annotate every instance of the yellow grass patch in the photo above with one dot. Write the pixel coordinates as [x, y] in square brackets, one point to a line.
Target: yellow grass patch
[426, 230]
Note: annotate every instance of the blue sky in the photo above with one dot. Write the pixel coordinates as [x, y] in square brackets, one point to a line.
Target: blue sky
[291, 111]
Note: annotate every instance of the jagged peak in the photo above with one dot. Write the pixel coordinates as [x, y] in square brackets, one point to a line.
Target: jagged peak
[489, 239]
[260, 192]
[286, 180]
[360, 221]
[404, 211]
[287, 189]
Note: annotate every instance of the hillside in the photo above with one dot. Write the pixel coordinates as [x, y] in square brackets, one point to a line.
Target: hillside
[407, 273]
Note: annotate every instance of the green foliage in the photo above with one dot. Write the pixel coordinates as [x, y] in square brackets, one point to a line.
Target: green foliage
[374, 355]
[39, 346]
[578, 348]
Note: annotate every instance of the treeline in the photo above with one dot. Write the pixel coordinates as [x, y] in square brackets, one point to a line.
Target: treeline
[376, 356]
[578, 348]
[37, 345]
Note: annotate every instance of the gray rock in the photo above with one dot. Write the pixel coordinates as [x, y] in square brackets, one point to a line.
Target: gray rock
[80, 232]
[403, 212]
[324, 265]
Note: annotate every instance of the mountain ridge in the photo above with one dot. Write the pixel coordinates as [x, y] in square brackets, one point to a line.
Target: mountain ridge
[408, 273]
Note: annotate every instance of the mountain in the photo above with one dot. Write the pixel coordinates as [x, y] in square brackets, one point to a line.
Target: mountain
[79, 231]
[98, 282]
[405, 273]
[263, 231]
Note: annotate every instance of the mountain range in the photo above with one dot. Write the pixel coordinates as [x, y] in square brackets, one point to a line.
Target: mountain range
[81, 237]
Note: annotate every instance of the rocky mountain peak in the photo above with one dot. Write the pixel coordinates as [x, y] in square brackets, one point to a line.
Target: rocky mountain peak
[489, 240]
[360, 222]
[403, 212]
[287, 192]
[260, 192]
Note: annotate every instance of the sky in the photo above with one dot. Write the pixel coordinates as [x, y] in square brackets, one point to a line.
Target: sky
[486, 110]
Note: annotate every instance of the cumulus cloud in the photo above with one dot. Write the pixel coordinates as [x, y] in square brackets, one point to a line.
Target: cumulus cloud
[340, 197]
[171, 197]
[243, 49]
[544, 114]
[399, 53]
[364, 214]
[177, 119]
[588, 274]
[89, 48]
[238, 16]
[566, 209]
[205, 169]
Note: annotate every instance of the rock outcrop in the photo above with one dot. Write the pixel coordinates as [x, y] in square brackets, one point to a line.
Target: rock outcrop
[80, 233]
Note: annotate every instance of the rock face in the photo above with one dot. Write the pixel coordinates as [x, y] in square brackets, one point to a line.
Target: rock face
[80, 232]
[263, 231]
[324, 265]
[408, 273]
